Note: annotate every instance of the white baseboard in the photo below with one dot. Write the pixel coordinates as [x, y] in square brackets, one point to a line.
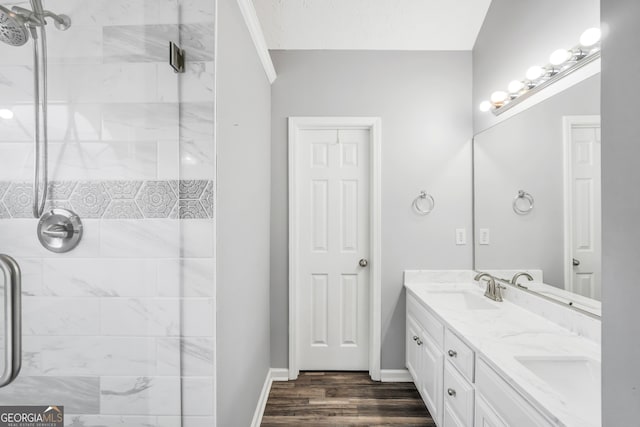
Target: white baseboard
[272, 375]
[395, 376]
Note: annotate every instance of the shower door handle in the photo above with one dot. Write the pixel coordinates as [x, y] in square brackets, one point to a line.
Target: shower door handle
[10, 270]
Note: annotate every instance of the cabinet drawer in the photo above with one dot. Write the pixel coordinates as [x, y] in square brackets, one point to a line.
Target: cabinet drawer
[505, 400]
[459, 354]
[427, 321]
[458, 395]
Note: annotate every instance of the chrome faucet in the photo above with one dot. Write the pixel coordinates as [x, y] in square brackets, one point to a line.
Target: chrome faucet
[514, 280]
[493, 291]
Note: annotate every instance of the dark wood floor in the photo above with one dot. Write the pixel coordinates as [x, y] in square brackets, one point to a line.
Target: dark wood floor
[344, 399]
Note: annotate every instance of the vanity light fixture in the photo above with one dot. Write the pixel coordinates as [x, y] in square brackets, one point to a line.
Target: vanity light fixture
[485, 106]
[515, 87]
[6, 114]
[560, 56]
[590, 37]
[562, 62]
[499, 98]
[534, 73]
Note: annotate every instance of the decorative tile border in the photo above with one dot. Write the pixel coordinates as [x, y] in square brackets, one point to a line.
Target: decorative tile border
[182, 199]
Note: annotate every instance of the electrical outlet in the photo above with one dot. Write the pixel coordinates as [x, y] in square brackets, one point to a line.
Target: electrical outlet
[485, 237]
[461, 236]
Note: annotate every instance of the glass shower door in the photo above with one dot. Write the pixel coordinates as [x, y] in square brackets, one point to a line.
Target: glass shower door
[102, 323]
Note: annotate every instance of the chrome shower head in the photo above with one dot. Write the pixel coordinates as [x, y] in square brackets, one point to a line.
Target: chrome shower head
[13, 30]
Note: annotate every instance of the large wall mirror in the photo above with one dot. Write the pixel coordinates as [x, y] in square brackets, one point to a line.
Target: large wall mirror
[537, 194]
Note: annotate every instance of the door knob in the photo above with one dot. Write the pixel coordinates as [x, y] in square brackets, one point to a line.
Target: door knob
[576, 262]
[363, 262]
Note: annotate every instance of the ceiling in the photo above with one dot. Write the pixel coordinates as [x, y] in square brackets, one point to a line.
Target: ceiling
[371, 24]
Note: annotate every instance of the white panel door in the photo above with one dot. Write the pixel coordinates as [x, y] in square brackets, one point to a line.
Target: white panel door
[332, 287]
[586, 209]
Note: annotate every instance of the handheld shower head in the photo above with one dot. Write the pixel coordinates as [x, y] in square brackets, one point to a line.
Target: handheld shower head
[13, 30]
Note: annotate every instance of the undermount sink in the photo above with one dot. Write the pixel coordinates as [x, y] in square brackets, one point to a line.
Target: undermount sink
[471, 301]
[577, 379]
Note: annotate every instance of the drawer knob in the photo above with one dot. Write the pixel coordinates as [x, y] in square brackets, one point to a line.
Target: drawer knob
[452, 353]
[451, 392]
[415, 338]
[419, 341]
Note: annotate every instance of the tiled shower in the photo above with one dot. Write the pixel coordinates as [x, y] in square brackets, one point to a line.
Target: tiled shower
[121, 330]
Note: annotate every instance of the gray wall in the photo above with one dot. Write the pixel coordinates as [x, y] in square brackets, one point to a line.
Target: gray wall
[526, 152]
[424, 101]
[243, 143]
[518, 34]
[620, 215]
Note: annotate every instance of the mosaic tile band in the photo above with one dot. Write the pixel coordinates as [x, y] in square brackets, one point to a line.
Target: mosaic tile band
[182, 199]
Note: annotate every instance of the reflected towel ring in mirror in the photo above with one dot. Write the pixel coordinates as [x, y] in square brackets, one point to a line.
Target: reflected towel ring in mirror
[523, 203]
[424, 199]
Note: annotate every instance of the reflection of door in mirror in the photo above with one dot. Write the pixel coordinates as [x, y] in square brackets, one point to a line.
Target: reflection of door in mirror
[583, 206]
[550, 151]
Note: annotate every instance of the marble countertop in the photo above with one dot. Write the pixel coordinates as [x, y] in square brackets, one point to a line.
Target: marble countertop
[499, 336]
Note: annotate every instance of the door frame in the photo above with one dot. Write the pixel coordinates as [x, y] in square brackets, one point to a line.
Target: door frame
[568, 124]
[373, 124]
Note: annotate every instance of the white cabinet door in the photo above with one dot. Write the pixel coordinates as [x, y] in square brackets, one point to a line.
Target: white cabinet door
[486, 416]
[431, 375]
[413, 350]
[451, 419]
[514, 409]
[458, 395]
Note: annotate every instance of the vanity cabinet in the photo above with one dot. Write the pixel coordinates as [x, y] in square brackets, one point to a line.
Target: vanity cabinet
[458, 387]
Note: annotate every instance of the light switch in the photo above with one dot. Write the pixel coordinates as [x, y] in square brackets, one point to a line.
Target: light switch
[484, 238]
[461, 236]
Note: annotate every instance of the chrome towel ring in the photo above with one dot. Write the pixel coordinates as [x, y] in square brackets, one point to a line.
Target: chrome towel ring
[523, 203]
[422, 199]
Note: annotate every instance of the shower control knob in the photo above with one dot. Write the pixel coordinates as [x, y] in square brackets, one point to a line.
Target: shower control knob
[60, 230]
[57, 230]
[363, 262]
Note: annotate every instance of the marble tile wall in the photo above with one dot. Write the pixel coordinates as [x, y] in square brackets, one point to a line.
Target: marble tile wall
[122, 329]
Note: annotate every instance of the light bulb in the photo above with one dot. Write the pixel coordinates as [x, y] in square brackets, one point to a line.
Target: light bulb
[485, 106]
[515, 86]
[534, 73]
[498, 98]
[590, 37]
[560, 56]
[6, 114]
